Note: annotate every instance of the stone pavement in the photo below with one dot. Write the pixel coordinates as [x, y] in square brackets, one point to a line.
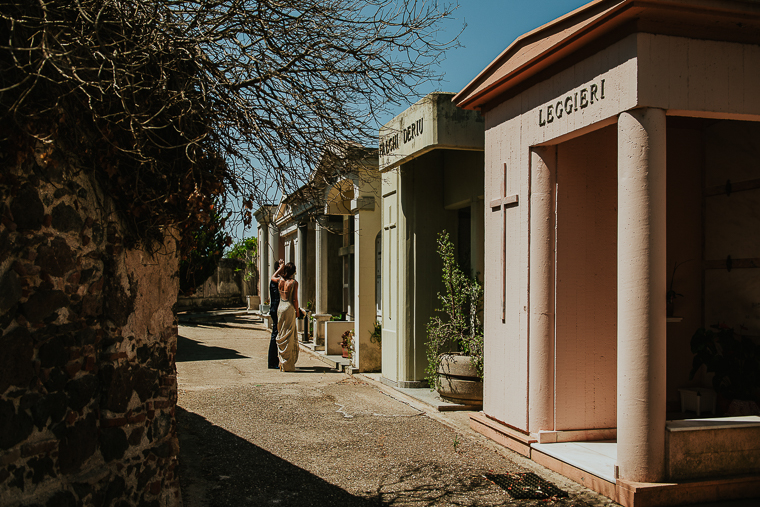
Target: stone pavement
[253, 436]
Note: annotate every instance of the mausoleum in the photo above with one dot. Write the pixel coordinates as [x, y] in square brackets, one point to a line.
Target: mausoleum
[622, 208]
[431, 160]
[346, 231]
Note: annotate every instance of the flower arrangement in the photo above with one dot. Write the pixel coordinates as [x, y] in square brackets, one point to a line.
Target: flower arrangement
[347, 343]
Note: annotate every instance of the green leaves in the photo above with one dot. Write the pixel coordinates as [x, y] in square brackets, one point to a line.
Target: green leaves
[460, 328]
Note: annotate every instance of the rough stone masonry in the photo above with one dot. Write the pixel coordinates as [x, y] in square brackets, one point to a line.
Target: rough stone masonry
[88, 337]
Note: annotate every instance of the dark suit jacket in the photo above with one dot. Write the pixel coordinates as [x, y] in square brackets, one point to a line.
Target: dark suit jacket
[274, 297]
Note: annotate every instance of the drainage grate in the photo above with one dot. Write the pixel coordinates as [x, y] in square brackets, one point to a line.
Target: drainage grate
[526, 486]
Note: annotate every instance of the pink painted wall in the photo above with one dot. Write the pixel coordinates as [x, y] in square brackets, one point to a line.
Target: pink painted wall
[586, 304]
[505, 390]
[512, 127]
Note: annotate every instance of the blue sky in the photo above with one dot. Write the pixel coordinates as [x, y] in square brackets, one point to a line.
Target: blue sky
[492, 25]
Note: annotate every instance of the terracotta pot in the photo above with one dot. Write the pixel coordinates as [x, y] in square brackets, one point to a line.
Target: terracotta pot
[345, 351]
[459, 380]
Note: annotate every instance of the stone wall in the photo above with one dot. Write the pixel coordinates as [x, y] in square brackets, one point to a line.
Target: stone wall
[226, 287]
[87, 379]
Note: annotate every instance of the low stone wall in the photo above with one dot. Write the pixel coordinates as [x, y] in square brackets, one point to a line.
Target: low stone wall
[713, 447]
[333, 335]
[88, 336]
[226, 287]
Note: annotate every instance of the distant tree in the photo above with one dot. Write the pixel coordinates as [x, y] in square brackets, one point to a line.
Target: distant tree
[178, 106]
[242, 249]
[245, 250]
[202, 259]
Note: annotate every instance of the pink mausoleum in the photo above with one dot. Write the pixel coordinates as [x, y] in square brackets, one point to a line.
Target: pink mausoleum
[621, 161]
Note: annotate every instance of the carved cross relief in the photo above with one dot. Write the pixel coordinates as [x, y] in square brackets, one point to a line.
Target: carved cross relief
[501, 204]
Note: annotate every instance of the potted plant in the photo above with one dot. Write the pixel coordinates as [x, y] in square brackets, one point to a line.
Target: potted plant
[455, 340]
[347, 343]
[264, 307]
[735, 362]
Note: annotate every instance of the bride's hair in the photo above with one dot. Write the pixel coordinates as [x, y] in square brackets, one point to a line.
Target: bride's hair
[289, 270]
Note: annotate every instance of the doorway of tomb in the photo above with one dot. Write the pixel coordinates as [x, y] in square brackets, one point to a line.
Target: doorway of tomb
[713, 249]
[379, 276]
[585, 367]
[347, 259]
[341, 260]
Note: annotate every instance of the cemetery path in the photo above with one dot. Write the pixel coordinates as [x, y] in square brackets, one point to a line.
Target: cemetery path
[253, 436]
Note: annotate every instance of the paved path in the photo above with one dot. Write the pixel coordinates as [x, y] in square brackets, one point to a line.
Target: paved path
[254, 436]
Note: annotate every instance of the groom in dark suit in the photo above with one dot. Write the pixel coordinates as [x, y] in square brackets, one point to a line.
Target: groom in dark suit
[274, 303]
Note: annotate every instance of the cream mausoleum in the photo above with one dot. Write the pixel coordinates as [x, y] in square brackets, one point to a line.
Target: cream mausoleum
[431, 160]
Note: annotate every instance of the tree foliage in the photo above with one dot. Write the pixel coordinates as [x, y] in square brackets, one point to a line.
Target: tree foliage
[245, 250]
[177, 106]
[201, 260]
[242, 249]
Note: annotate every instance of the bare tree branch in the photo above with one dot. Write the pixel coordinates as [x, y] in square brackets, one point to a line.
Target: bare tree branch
[181, 107]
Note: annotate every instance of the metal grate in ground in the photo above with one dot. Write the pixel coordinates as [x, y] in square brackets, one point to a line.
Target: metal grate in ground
[526, 486]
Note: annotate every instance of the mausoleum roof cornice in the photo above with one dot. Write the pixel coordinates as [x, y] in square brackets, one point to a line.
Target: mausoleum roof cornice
[265, 213]
[536, 55]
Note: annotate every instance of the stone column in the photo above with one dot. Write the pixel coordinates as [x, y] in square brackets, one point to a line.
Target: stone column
[321, 315]
[641, 295]
[264, 273]
[274, 247]
[541, 274]
[301, 264]
[321, 279]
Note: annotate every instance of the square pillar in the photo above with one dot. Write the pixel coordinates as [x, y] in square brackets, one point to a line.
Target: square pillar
[366, 228]
[641, 295]
[321, 268]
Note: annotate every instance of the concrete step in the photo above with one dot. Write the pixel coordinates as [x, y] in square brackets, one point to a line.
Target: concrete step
[313, 346]
[337, 362]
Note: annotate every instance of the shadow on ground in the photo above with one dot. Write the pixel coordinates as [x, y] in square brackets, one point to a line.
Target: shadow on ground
[191, 350]
[218, 468]
[314, 369]
[220, 323]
